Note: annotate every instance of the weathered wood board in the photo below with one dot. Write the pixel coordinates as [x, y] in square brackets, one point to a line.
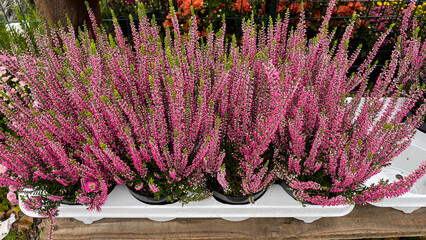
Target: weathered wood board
[363, 222]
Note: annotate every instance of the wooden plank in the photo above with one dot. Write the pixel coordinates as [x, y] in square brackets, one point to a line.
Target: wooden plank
[363, 222]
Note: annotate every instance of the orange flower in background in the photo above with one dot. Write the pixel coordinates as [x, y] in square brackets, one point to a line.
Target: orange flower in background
[186, 6]
[348, 9]
[281, 7]
[242, 6]
[186, 26]
[168, 21]
[295, 7]
[362, 23]
[317, 14]
[356, 6]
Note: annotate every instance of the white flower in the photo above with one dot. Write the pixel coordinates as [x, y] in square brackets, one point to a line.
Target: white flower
[36, 104]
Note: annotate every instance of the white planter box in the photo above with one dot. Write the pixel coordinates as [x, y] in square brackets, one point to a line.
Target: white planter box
[274, 203]
[406, 163]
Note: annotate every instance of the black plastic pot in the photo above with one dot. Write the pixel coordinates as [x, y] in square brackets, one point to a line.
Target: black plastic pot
[422, 127]
[150, 200]
[68, 201]
[290, 192]
[236, 200]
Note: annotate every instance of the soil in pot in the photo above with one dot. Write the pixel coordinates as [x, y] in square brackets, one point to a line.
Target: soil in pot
[148, 198]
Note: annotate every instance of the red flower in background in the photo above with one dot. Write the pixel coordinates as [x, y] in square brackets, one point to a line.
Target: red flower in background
[296, 8]
[356, 6]
[242, 6]
[342, 10]
[317, 14]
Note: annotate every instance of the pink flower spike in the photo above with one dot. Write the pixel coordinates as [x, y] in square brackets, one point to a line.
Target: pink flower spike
[12, 188]
[153, 188]
[138, 187]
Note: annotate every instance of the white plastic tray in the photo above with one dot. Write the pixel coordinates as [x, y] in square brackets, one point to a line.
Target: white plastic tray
[406, 163]
[274, 203]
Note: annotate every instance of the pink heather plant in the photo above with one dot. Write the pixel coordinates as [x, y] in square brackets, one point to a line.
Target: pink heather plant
[330, 145]
[115, 119]
[166, 95]
[251, 106]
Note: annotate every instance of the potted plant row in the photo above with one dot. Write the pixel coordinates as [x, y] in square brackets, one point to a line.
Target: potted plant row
[178, 117]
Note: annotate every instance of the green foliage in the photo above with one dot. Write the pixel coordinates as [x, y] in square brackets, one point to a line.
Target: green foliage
[233, 171]
[173, 189]
[13, 236]
[13, 38]
[4, 203]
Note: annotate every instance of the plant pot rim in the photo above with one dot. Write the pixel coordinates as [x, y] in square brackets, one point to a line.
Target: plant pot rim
[237, 200]
[149, 200]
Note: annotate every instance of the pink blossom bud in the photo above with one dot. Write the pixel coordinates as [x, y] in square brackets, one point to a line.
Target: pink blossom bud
[14, 201]
[3, 169]
[11, 196]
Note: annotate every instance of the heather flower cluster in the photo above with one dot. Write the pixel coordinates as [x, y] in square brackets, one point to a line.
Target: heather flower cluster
[178, 116]
[338, 133]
